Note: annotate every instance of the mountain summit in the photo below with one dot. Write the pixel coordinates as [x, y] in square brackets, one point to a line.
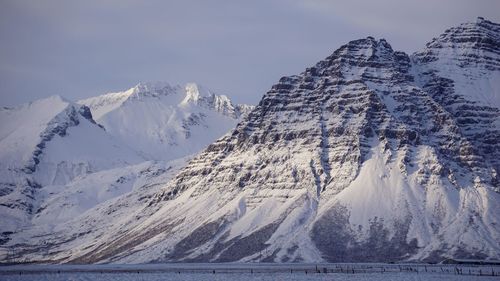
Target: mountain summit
[369, 155]
[165, 122]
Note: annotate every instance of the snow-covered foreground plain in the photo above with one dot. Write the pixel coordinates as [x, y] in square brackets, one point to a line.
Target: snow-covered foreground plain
[273, 272]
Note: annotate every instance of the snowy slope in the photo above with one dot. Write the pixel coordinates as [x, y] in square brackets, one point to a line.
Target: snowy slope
[95, 206]
[56, 140]
[166, 122]
[21, 128]
[369, 155]
[50, 141]
[57, 163]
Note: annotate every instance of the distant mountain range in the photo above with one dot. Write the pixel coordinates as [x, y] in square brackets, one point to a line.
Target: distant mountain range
[60, 158]
[369, 155]
[166, 122]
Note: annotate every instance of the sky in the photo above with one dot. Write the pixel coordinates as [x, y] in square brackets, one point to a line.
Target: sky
[79, 49]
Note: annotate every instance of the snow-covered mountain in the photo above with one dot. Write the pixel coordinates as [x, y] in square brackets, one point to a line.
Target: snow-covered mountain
[50, 142]
[56, 161]
[461, 71]
[166, 122]
[369, 155]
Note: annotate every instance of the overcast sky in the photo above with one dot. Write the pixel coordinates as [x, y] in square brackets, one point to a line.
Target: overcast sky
[85, 48]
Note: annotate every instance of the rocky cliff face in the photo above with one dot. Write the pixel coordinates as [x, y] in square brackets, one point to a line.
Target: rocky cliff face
[461, 71]
[369, 155]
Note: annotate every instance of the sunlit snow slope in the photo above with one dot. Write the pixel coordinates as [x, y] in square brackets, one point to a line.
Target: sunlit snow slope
[166, 122]
[50, 142]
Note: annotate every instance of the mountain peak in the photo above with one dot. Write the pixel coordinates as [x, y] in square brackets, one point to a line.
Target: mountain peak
[165, 121]
[150, 89]
[194, 93]
[481, 34]
[473, 46]
[360, 52]
[100, 105]
[485, 22]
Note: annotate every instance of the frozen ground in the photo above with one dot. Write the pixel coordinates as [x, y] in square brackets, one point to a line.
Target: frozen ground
[241, 276]
[288, 272]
